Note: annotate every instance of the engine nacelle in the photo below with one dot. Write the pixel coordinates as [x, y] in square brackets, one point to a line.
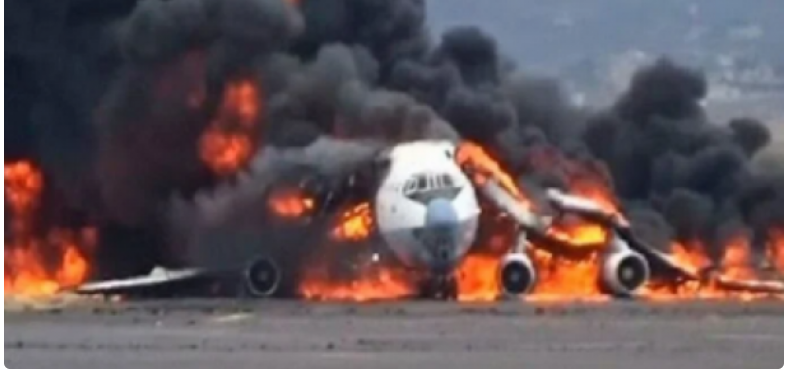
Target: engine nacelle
[262, 277]
[517, 274]
[623, 271]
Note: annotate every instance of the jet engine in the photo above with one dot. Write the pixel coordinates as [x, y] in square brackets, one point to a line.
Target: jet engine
[517, 274]
[262, 277]
[623, 271]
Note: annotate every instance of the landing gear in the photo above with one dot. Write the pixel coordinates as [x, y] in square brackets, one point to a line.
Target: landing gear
[441, 287]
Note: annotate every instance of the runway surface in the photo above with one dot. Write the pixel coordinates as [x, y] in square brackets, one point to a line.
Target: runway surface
[272, 334]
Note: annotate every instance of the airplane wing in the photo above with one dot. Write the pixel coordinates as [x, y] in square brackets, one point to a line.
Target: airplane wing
[749, 285]
[509, 205]
[158, 277]
[661, 262]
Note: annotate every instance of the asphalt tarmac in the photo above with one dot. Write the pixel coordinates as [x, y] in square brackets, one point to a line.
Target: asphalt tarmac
[276, 334]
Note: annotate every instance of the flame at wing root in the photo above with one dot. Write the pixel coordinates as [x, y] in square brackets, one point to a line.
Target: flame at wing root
[355, 224]
[484, 167]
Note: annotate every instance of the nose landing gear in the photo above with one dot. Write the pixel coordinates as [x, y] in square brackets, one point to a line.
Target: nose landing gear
[440, 287]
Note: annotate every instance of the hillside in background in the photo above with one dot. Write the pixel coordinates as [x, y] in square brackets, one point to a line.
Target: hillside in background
[596, 44]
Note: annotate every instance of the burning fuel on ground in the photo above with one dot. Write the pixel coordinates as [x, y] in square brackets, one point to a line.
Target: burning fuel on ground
[191, 116]
[39, 262]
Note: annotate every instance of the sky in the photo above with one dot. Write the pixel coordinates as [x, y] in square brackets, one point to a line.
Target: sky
[542, 34]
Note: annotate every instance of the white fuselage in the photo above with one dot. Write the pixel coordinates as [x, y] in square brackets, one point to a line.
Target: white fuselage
[426, 207]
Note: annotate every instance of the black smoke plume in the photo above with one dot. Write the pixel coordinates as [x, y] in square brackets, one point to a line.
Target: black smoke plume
[111, 98]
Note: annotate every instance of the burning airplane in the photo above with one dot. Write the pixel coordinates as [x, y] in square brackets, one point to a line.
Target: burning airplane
[416, 208]
[216, 133]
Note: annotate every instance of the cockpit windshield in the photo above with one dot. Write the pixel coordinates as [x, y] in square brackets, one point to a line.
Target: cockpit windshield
[429, 182]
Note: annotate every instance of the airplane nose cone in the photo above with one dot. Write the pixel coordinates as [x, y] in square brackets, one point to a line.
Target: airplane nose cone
[440, 213]
[441, 233]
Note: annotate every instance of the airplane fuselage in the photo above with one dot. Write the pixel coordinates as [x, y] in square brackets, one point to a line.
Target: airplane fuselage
[426, 208]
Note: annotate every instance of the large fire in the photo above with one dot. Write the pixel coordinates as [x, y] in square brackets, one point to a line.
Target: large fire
[575, 276]
[559, 278]
[735, 264]
[369, 280]
[229, 141]
[333, 273]
[42, 265]
[43, 262]
[36, 266]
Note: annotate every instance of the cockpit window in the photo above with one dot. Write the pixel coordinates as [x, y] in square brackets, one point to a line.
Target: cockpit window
[430, 183]
[410, 186]
[446, 181]
[422, 182]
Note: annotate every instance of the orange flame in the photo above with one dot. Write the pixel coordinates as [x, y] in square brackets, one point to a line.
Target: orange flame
[486, 167]
[355, 224]
[478, 275]
[584, 179]
[478, 278]
[229, 141]
[35, 267]
[735, 265]
[575, 277]
[776, 248]
[23, 185]
[561, 279]
[371, 283]
[560, 276]
[290, 203]
[737, 261]
[597, 193]
[28, 273]
[582, 235]
[370, 280]
[224, 152]
[691, 256]
[567, 277]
